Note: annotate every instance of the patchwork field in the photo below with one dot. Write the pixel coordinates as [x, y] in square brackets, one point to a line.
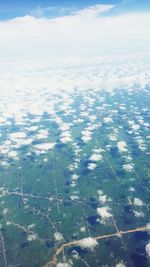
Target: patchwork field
[74, 165]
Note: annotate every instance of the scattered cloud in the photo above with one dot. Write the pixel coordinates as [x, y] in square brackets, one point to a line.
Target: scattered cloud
[88, 242]
[104, 212]
[120, 264]
[147, 248]
[122, 146]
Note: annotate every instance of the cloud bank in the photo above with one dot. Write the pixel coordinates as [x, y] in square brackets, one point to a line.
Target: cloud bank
[85, 32]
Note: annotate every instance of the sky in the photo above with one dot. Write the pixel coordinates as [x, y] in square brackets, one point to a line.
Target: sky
[52, 8]
[72, 27]
[10, 9]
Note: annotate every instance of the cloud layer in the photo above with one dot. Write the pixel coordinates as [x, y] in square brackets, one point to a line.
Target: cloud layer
[88, 31]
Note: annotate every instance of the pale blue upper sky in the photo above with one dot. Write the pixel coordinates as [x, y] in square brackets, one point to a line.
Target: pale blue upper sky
[54, 8]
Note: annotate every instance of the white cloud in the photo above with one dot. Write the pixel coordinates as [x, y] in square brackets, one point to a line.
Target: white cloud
[138, 213]
[128, 167]
[148, 227]
[147, 248]
[138, 202]
[104, 212]
[60, 264]
[93, 11]
[13, 154]
[84, 32]
[74, 177]
[122, 146]
[74, 197]
[88, 242]
[66, 139]
[96, 157]
[120, 264]
[91, 166]
[32, 237]
[58, 236]
[44, 146]
[17, 135]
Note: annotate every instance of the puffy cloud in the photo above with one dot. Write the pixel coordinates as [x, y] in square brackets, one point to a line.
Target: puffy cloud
[60, 264]
[45, 146]
[13, 154]
[91, 166]
[148, 227]
[86, 136]
[122, 146]
[138, 213]
[120, 264]
[96, 157]
[74, 177]
[128, 167]
[102, 198]
[88, 242]
[32, 237]
[58, 236]
[104, 212]
[147, 248]
[138, 202]
[17, 135]
[66, 139]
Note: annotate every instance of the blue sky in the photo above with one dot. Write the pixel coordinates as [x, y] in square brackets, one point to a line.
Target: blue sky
[54, 8]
